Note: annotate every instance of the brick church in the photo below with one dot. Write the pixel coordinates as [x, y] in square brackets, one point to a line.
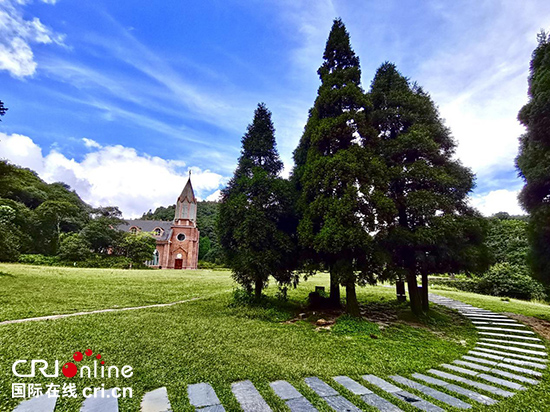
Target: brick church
[177, 241]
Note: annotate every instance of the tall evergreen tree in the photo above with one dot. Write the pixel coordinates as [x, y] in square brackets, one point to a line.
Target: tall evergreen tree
[255, 223]
[533, 160]
[3, 109]
[330, 170]
[425, 224]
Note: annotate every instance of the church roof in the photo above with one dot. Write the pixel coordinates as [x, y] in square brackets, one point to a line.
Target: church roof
[187, 192]
[147, 226]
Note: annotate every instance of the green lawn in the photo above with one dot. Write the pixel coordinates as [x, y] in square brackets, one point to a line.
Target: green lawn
[214, 340]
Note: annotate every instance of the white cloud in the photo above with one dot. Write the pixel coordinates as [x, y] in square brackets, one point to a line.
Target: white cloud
[501, 200]
[91, 143]
[113, 175]
[16, 36]
[215, 197]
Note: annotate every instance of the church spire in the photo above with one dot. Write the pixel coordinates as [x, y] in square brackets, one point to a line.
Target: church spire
[186, 205]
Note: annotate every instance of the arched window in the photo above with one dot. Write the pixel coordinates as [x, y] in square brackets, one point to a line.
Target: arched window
[134, 230]
[155, 257]
[157, 231]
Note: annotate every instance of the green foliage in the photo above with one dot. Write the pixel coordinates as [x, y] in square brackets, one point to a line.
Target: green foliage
[255, 221]
[204, 247]
[38, 259]
[514, 281]
[533, 161]
[138, 247]
[333, 171]
[9, 235]
[422, 208]
[74, 247]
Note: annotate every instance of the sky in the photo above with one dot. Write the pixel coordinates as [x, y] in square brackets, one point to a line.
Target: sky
[121, 99]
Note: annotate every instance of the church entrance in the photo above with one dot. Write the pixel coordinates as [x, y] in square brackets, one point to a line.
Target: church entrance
[178, 264]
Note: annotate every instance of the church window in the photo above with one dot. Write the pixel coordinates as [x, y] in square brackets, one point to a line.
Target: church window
[157, 231]
[181, 237]
[133, 230]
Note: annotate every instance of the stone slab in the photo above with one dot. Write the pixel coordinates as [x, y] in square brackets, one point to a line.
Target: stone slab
[478, 397]
[381, 383]
[472, 365]
[508, 360]
[201, 395]
[383, 405]
[212, 408]
[514, 349]
[511, 354]
[510, 325]
[513, 342]
[502, 382]
[355, 387]
[156, 401]
[248, 397]
[434, 393]
[503, 365]
[401, 394]
[503, 335]
[459, 369]
[527, 332]
[341, 404]
[42, 403]
[106, 404]
[300, 405]
[488, 388]
[285, 390]
[321, 388]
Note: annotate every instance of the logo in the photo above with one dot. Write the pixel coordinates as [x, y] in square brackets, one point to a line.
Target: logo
[80, 367]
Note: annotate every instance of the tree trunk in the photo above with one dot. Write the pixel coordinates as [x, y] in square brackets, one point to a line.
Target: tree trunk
[425, 299]
[414, 294]
[400, 291]
[352, 306]
[258, 290]
[334, 289]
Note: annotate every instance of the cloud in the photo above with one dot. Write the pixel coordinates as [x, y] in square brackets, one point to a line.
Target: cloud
[501, 200]
[215, 197]
[91, 143]
[113, 175]
[16, 36]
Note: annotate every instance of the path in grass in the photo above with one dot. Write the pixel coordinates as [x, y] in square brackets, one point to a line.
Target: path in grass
[508, 359]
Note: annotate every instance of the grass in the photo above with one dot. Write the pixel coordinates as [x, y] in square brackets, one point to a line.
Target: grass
[215, 339]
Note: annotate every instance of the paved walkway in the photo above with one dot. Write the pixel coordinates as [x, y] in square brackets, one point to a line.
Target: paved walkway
[508, 358]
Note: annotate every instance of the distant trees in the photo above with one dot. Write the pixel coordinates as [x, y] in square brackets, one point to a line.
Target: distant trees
[3, 109]
[533, 161]
[256, 211]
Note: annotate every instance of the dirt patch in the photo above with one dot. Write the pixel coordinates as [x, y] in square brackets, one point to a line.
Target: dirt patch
[542, 327]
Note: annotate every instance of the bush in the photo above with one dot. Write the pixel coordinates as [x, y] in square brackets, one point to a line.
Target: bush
[38, 259]
[505, 279]
[349, 325]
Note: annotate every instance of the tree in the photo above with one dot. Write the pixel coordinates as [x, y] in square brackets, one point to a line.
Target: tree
[52, 214]
[533, 161]
[425, 224]
[9, 235]
[3, 109]
[255, 223]
[138, 247]
[74, 247]
[332, 172]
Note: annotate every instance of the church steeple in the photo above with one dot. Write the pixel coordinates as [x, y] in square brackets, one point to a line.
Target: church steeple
[186, 205]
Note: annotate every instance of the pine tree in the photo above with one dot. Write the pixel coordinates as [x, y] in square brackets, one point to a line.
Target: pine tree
[533, 161]
[331, 165]
[3, 109]
[255, 223]
[425, 224]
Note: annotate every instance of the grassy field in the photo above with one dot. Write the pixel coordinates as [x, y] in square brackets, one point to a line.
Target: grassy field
[214, 339]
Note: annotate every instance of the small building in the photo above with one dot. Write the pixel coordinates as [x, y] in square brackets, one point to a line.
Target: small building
[178, 240]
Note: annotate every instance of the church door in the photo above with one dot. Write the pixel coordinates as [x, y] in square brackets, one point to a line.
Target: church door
[178, 264]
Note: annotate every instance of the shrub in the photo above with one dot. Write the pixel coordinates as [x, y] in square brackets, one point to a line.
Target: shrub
[38, 259]
[514, 281]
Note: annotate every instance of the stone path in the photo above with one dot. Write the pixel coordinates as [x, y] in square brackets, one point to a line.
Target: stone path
[505, 360]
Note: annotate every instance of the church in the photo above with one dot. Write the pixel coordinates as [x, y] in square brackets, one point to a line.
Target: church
[177, 241]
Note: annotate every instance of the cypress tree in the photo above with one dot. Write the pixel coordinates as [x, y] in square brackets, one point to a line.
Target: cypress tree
[330, 169]
[255, 223]
[533, 161]
[425, 224]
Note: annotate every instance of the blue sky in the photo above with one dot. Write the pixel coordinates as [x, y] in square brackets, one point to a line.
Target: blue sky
[120, 99]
